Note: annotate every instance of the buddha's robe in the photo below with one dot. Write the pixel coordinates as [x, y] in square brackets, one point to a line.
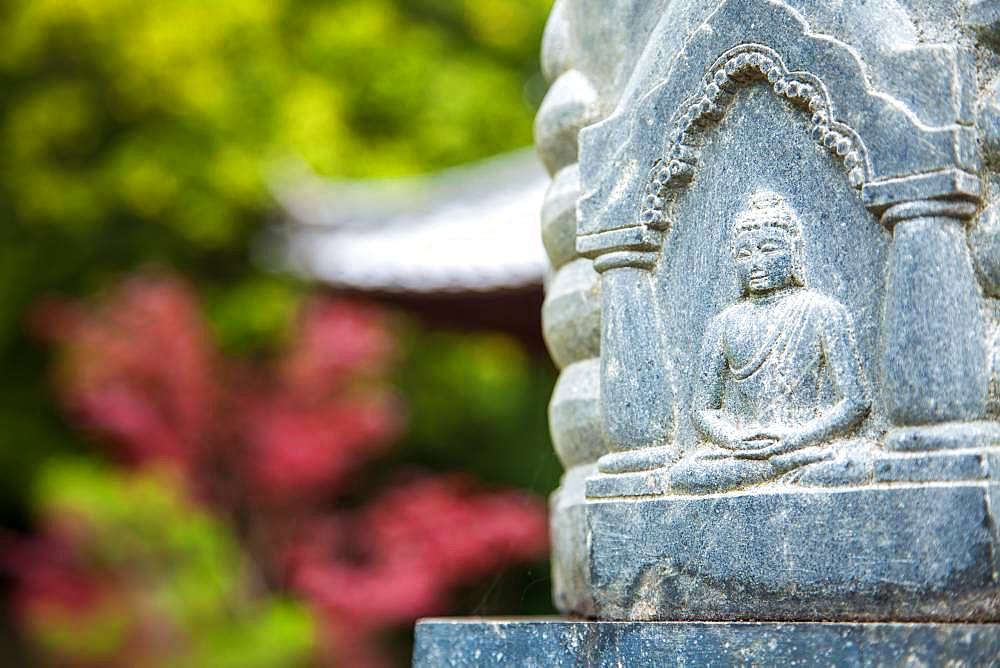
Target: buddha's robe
[770, 366]
[784, 379]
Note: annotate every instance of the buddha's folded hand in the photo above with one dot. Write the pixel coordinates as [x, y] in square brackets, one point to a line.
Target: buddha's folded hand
[741, 439]
[773, 433]
[797, 458]
[771, 448]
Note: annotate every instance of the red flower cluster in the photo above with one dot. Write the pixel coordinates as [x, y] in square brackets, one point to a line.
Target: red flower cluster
[398, 559]
[52, 578]
[418, 541]
[277, 442]
[139, 369]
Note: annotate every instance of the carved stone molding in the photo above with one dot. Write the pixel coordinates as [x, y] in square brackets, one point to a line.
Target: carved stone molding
[742, 66]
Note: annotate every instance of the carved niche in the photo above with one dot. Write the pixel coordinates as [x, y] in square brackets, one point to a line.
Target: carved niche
[778, 208]
[773, 105]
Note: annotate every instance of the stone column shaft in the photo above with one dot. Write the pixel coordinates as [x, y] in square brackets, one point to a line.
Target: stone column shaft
[636, 388]
[935, 359]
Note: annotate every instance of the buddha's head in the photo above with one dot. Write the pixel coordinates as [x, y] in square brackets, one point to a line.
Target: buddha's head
[767, 245]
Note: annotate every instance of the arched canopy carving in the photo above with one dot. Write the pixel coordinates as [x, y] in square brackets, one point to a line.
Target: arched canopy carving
[741, 66]
[632, 160]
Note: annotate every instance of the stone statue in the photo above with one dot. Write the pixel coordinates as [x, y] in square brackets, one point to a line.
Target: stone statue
[820, 440]
[780, 373]
[817, 441]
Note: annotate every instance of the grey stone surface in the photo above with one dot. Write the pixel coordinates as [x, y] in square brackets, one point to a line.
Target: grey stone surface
[571, 313]
[985, 242]
[983, 14]
[568, 107]
[793, 395]
[578, 434]
[784, 551]
[557, 42]
[571, 588]
[559, 216]
[552, 643]
[911, 552]
[748, 132]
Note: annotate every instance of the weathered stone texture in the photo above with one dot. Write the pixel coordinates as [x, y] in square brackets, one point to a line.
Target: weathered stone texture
[578, 434]
[568, 528]
[568, 107]
[571, 314]
[559, 216]
[914, 552]
[578, 644]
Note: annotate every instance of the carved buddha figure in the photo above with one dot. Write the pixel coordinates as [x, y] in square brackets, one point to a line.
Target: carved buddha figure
[780, 378]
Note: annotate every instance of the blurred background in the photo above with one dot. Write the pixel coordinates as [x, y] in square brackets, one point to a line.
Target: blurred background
[273, 381]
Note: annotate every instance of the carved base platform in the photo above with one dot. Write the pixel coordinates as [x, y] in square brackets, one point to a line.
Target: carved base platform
[537, 642]
[916, 551]
[886, 467]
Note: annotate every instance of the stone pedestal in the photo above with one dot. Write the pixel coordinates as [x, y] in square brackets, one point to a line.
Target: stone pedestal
[888, 552]
[553, 643]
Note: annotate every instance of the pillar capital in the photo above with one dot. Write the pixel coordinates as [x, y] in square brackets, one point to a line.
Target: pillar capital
[952, 208]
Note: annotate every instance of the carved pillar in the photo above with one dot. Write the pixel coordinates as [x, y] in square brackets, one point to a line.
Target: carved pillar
[935, 360]
[637, 395]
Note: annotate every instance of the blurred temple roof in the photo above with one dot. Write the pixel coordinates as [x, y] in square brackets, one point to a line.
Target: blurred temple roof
[472, 228]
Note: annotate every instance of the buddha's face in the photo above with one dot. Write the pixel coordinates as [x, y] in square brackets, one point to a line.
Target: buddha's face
[765, 260]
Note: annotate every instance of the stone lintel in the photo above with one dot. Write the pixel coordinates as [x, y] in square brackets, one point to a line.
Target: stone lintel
[950, 183]
[635, 237]
[536, 642]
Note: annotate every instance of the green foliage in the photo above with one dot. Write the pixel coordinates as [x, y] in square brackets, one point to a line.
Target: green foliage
[478, 404]
[171, 111]
[143, 132]
[253, 314]
[193, 580]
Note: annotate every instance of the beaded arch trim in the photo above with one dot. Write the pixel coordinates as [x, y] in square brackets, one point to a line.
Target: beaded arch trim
[741, 66]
